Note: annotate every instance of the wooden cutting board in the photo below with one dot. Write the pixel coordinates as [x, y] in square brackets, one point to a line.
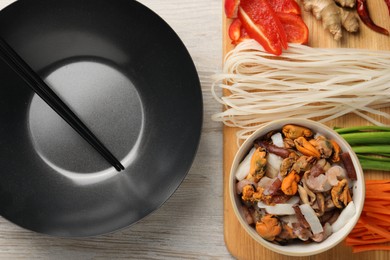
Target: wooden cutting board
[238, 242]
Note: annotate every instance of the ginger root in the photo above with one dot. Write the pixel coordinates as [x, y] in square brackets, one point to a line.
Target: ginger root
[333, 17]
[349, 20]
[346, 3]
[328, 12]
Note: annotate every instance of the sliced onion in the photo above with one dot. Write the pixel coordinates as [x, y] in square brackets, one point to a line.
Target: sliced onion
[277, 139]
[345, 216]
[311, 218]
[243, 168]
[293, 200]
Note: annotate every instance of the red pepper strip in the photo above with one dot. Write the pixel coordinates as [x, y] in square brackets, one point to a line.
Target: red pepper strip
[388, 5]
[231, 8]
[364, 15]
[235, 30]
[263, 25]
[244, 35]
[286, 6]
[295, 28]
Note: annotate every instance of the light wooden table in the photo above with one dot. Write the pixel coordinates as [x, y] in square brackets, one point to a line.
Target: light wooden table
[190, 224]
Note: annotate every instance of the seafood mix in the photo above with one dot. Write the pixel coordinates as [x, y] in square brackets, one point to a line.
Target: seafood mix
[296, 185]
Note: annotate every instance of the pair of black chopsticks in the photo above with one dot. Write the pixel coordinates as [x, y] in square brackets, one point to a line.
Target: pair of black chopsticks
[47, 94]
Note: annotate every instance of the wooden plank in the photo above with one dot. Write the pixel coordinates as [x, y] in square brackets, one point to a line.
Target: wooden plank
[238, 242]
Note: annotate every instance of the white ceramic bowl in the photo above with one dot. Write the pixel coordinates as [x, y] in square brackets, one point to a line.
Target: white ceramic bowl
[299, 249]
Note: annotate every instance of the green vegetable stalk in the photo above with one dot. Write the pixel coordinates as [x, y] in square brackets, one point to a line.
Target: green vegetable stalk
[371, 144]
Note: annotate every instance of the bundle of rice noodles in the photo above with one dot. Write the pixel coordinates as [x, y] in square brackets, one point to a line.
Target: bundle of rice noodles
[304, 82]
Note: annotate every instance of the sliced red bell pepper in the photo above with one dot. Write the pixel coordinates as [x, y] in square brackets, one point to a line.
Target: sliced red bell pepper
[235, 30]
[244, 35]
[285, 6]
[231, 8]
[295, 28]
[263, 25]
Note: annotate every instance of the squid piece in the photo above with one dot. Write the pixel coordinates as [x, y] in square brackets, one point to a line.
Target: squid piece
[272, 186]
[301, 219]
[330, 216]
[277, 199]
[348, 164]
[302, 233]
[287, 232]
[345, 216]
[271, 148]
[324, 234]
[303, 195]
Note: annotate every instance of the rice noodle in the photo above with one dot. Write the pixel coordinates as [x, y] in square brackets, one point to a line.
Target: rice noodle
[304, 82]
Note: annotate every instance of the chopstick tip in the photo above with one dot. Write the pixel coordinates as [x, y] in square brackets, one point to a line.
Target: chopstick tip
[119, 167]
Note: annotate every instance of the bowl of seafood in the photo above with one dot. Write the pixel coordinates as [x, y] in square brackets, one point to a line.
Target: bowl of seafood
[296, 187]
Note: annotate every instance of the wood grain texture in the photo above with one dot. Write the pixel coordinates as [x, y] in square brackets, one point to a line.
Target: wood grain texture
[190, 224]
[238, 242]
